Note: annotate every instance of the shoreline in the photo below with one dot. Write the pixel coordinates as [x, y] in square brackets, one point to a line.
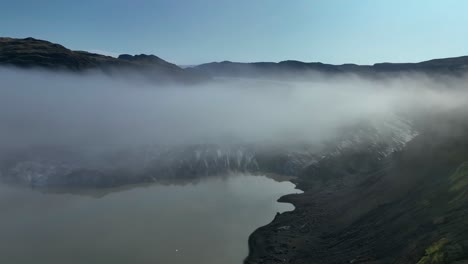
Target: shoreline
[382, 211]
[255, 241]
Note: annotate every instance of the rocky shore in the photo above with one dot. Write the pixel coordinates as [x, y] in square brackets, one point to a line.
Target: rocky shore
[410, 207]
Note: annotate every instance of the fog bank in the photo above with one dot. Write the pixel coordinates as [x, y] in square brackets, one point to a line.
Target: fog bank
[40, 108]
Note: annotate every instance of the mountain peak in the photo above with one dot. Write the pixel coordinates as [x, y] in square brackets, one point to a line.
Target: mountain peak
[146, 59]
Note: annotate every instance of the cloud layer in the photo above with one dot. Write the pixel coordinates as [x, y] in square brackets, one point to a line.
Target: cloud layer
[46, 108]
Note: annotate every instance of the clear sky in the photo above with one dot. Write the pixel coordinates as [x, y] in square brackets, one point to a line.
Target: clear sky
[198, 31]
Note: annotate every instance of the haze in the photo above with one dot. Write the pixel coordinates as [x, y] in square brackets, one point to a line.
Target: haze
[50, 108]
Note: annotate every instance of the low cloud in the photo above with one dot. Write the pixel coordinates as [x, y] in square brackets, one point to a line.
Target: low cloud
[47, 108]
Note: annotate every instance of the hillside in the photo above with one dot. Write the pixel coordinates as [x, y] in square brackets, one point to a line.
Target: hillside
[285, 69]
[35, 53]
[357, 207]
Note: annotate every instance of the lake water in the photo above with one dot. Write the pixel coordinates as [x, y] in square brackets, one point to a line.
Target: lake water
[207, 222]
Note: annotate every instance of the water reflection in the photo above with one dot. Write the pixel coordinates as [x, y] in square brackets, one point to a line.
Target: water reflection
[200, 222]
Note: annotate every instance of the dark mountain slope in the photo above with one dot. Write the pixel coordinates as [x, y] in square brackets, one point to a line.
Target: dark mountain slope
[33, 53]
[411, 207]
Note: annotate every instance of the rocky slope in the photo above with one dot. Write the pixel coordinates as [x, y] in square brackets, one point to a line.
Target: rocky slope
[410, 206]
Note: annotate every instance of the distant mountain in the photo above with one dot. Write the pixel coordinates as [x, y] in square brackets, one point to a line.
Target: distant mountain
[33, 53]
[290, 68]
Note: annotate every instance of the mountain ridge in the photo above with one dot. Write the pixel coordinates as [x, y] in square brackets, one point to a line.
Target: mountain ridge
[30, 53]
[451, 66]
[36, 53]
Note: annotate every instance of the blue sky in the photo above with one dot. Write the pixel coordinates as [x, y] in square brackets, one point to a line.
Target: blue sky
[197, 31]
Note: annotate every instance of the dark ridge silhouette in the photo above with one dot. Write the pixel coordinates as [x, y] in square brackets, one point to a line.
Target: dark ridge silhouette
[448, 66]
[30, 52]
[35, 53]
